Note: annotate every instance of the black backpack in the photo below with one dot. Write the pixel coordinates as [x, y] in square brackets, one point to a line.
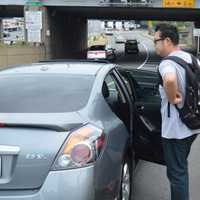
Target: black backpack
[190, 113]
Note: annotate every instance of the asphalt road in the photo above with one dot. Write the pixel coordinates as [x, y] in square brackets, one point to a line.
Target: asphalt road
[146, 57]
[150, 181]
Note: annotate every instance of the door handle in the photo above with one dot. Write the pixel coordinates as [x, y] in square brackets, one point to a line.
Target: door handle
[148, 124]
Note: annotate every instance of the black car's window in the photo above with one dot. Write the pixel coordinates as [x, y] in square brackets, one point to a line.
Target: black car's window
[49, 93]
[116, 99]
[97, 48]
[145, 84]
[132, 42]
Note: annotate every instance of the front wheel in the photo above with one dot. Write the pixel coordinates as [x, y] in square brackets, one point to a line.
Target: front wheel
[126, 181]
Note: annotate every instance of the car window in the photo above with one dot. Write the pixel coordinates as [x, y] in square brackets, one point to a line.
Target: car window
[97, 47]
[116, 99]
[108, 47]
[115, 92]
[128, 86]
[145, 84]
[132, 42]
[49, 93]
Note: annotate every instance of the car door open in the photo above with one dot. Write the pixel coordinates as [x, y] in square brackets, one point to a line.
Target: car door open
[147, 120]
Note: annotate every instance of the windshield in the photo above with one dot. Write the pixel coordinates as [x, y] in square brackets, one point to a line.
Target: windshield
[98, 47]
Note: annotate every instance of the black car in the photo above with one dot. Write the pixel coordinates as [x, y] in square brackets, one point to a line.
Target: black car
[131, 46]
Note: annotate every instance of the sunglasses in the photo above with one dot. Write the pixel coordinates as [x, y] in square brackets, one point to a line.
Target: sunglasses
[155, 41]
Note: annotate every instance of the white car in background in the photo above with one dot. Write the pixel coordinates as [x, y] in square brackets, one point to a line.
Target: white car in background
[105, 52]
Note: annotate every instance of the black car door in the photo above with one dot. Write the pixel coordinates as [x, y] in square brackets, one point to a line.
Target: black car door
[147, 118]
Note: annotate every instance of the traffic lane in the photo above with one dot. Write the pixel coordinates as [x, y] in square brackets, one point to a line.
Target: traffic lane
[150, 181]
[147, 41]
[130, 59]
[146, 57]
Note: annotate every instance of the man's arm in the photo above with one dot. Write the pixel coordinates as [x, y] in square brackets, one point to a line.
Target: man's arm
[171, 88]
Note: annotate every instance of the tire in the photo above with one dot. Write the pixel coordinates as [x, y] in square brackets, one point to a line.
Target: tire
[126, 180]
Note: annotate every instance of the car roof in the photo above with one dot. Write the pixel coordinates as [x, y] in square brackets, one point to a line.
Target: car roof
[98, 45]
[84, 68]
[132, 40]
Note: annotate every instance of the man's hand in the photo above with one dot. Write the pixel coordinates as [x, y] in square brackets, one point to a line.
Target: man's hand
[178, 98]
[171, 88]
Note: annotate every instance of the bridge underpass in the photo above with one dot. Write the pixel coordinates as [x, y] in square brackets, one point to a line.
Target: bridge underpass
[67, 25]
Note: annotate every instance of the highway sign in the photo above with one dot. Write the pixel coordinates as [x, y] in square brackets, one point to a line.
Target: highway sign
[179, 3]
[196, 31]
[35, 3]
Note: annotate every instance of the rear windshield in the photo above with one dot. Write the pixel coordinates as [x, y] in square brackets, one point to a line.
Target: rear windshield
[132, 42]
[47, 93]
[99, 47]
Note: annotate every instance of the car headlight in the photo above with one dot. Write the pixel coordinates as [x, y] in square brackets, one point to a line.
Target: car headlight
[81, 148]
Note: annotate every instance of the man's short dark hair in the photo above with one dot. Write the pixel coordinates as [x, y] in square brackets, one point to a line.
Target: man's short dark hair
[170, 31]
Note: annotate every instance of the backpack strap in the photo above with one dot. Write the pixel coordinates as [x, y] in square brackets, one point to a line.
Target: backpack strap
[177, 60]
[180, 62]
[160, 80]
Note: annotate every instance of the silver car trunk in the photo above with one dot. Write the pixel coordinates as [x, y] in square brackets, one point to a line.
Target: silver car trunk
[29, 144]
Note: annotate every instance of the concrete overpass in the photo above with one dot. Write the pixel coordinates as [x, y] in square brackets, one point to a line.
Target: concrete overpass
[66, 20]
[105, 9]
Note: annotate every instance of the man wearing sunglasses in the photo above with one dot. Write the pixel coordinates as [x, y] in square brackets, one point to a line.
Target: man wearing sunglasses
[176, 137]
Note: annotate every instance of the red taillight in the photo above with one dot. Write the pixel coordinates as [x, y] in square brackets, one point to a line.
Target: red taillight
[100, 142]
[81, 148]
[2, 125]
[81, 154]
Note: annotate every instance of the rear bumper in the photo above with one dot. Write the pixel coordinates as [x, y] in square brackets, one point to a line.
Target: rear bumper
[131, 50]
[75, 184]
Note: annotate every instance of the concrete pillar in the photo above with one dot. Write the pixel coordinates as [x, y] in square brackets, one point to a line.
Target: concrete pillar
[1, 29]
[63, 36]
[68, 36]
[197, 41]
[45, 31]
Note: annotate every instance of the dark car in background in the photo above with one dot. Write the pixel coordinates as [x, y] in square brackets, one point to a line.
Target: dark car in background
[75, 129]
[131, 46]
